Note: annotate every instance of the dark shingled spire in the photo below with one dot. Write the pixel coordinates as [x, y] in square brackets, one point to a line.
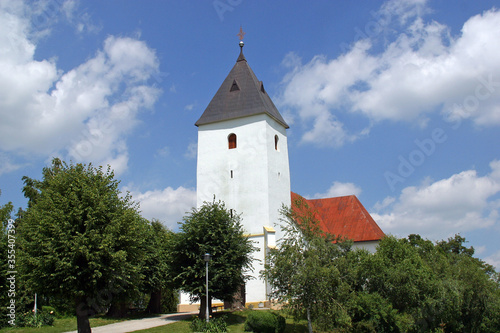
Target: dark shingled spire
[240, 95]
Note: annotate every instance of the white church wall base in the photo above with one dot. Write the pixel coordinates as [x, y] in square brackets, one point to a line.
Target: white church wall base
[256, 287]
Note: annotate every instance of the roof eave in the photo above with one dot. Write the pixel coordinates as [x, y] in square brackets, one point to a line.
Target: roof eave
[207, 122]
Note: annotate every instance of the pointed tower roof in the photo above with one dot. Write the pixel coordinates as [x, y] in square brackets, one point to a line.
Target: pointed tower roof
[240, 95]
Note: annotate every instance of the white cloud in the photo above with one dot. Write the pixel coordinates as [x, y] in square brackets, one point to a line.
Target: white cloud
[403, 10]
[494, 260]
[479, 249]
[339, 189]
[7, 165]
[440, 209]
[168, 205]
[192, 150]
[84, 113]
[385, 203]
[163, 151]
[81, 20]
[189, 107]
[421, 70]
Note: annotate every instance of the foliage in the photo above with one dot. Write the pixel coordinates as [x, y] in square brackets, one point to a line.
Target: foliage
[169, 300]
[5, 215]
[265, 322]
[210, 229]
[436, 286]
[156, 269]
[302, 271]
[29, 319]
[51, 310]
[215, 325]
[81, 239]
[407, 285]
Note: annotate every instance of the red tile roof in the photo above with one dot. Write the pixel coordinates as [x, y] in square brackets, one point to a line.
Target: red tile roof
[343, 216]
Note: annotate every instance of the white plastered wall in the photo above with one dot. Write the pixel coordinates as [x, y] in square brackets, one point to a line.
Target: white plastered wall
[253, 179]
[371, 246]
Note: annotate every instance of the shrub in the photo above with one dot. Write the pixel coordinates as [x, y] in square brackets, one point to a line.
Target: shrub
[50, 310]
[215, 325]
[265, 322]
[28, 319]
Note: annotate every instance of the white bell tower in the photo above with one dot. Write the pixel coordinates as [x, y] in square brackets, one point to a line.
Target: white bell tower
[243, 161]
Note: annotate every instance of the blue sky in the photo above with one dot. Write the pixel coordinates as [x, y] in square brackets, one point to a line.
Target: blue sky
[397, 102]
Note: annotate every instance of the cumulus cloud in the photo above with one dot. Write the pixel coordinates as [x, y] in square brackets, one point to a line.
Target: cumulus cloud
[422, 69]
[440, 209]
[168, 205]
[339, 189]
[84, 113]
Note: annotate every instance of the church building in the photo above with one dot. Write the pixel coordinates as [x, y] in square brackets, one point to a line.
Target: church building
[243, 161]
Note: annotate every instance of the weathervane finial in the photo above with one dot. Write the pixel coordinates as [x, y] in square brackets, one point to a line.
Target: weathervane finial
[241, 35]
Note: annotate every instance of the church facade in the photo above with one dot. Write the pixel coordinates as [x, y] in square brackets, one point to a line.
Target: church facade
[243, 161]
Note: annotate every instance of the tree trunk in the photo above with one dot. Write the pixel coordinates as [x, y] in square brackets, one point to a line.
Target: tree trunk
[82, 316]
[237, 301]
[309, 323]
[203, 307]
[118, 309]
[154, 305]
[83, 324]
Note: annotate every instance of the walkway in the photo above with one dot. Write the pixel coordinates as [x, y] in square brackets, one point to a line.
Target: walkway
[140, 324]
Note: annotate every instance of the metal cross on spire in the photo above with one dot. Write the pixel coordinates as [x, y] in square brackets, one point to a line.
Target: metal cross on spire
[241, 34]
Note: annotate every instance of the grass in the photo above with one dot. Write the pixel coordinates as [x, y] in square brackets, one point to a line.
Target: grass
[178, 327]
[235, 321]
[61, 325]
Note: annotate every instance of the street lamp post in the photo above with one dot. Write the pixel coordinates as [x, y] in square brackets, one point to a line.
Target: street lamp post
[207, 259]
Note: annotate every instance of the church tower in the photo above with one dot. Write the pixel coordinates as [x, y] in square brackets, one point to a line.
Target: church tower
[243, 161]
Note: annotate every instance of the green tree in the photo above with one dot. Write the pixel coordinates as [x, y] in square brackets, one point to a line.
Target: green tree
[81, 240]
[400, 275]
[210, 229]
[408, 285]
[156, 272]
[303, 273]
[5, 216]
[477, 285]
[434, 287]
[456, 245]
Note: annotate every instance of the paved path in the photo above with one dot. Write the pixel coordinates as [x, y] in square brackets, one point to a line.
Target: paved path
[140, 324]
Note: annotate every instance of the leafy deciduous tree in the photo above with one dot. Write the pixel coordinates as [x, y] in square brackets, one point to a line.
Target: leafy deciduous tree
[302, 273]
[407, 285]
[80, 238]
[210, 229]
[156, 265]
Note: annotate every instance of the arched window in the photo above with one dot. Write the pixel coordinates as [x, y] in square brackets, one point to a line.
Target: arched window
[276, 142]
[231, 140]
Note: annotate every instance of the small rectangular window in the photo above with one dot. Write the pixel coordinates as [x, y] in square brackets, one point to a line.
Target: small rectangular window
[231, 173]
